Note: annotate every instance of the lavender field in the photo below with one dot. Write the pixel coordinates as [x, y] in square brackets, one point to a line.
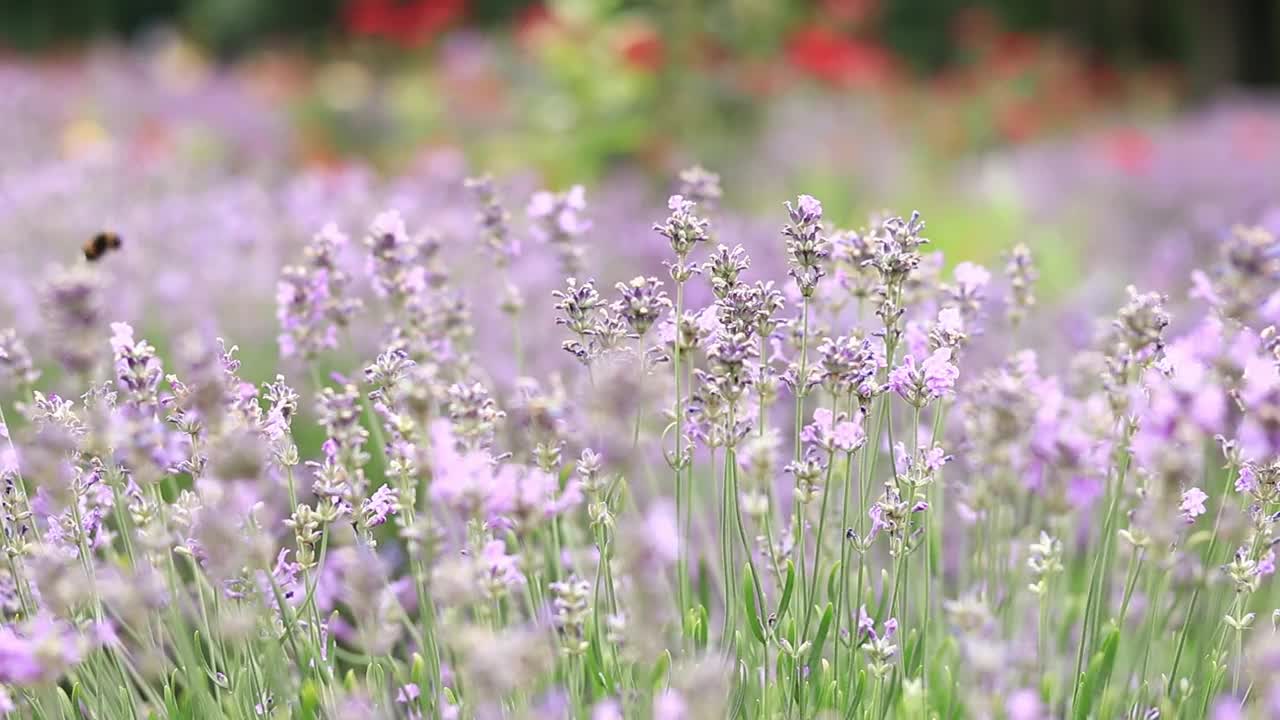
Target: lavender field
[754, 439]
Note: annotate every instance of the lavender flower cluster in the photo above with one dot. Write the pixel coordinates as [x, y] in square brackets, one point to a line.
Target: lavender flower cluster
[849, 490]
[775, 468]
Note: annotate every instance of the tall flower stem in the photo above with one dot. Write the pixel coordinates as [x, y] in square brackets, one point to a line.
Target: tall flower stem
[726, 545]
[846, 501]
[1101, 568]
[1195, 594]
[822, 525]
[682, 555]
[798, 548]
[762, 423]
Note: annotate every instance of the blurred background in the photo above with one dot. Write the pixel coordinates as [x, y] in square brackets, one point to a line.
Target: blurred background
[1133, 131]
[578, 87]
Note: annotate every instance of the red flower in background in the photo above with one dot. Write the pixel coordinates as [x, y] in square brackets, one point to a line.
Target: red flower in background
[1129, 150]
[408, 23]
[1018, 121]
[1013, 53]
[533, 22]
[642, 47]
[840, 60]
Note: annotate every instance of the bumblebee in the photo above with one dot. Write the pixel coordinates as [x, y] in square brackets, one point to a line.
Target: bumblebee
[101, 244]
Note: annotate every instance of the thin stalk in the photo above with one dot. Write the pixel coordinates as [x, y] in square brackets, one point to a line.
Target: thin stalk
[682, 559]
[1195, 596]
[822, 525]
[798, 548]
[846, 501]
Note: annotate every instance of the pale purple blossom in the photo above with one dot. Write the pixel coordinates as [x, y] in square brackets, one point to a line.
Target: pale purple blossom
[1025, 704]
[922, 382]
[1266, 564]
[1192, 505]
[384, 503]
[39, 650]
[608, 709]
[670, 705]
[408, 694]
[1246, 480]
[501, 570]
[971, 278]
[833, 434]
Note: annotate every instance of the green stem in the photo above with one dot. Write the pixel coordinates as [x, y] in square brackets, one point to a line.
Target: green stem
[818, 540]
[683, 540]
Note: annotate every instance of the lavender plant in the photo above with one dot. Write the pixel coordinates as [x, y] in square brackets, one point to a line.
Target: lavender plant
[735, 495]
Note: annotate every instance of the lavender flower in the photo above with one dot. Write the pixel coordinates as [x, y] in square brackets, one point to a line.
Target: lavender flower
[929, 380]
[72, 309]
[642, 303]
[393, 257]
[500, 572]
[39, 650]
[493, 221]
[685, 231]
[558, 222]
[16, 365]
[155, 515]
[1192, 505]
[833, 433]
[1021, 272]
[378, 507]
[312, 304]
[700, 185]
[969, 289]
[807, 248]
[138, 370]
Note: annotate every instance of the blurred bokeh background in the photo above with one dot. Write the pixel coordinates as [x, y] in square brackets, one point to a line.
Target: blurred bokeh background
[577, 87]
[1120, 138]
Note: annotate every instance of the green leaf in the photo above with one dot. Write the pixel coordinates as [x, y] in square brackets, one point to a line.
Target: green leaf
[418, 671]
[912, 649]
[824, 627]
[308, 701]
[885, 584]
[658, 678]
[704, 583]
[700, 631]
[126, 697]
[832, 578]
[170, 702]
[753, 611]
[858, 688]
[375, 679]
[788, 587]
[830, 694]
[1199, 538]
[594, 659]
[77, 696]
[64, 705]
[1097, 673]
